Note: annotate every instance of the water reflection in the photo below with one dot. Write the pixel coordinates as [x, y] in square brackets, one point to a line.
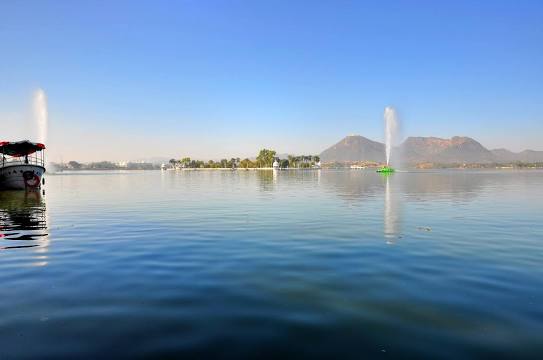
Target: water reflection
[23, 222]
[392, 212]
[352, 186]
[288, 180]
[451, 185]
[267, 179]
[358, 186]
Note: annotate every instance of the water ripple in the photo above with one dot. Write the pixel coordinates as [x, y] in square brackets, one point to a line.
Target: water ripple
[324, 264]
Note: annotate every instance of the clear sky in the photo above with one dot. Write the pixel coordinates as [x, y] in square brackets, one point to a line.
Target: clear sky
[210, 79]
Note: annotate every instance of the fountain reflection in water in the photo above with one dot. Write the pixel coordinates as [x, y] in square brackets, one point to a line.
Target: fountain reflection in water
[23, 223]
[392, 216]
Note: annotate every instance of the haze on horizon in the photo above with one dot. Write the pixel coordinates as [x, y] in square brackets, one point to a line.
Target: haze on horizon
[127, 80]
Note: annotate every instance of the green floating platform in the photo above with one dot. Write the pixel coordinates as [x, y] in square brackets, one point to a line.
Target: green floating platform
[386, 169]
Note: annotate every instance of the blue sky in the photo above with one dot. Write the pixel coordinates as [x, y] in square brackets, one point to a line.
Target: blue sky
[127, 79]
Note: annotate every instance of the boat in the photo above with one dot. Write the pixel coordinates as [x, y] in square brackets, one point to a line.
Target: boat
[22, 165]
[386, 169]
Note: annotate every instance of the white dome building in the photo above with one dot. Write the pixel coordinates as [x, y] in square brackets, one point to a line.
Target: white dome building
[275, 164]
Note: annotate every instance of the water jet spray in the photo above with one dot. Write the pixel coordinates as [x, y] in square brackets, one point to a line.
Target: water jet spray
[391, 128]
[40, 115]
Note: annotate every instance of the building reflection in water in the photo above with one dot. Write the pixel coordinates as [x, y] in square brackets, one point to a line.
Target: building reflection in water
[23, 223]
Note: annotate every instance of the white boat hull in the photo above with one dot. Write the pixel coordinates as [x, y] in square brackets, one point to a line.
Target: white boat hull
[21, 177]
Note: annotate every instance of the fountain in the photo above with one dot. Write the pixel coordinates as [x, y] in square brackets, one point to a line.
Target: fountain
[391, 127]
[40, 115]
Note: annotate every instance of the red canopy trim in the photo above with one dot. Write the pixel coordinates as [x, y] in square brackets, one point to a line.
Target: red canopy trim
[20, 148]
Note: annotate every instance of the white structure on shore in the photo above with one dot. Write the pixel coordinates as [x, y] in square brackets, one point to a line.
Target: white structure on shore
[275, 164]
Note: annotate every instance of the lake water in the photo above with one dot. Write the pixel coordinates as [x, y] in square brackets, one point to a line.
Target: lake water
[333, 264]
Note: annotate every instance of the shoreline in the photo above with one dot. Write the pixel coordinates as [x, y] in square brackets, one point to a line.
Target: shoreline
[240, 169]
[501, 169]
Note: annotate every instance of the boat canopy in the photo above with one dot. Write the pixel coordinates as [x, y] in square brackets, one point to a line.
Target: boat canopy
[20, 148]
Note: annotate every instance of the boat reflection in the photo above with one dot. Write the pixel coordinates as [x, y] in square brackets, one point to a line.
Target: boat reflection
[23, 223]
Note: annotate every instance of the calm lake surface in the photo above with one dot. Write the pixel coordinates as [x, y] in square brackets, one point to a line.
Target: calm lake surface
[230, 264]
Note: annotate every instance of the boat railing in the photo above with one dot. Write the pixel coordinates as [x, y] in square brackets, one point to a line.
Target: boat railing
[36, 158]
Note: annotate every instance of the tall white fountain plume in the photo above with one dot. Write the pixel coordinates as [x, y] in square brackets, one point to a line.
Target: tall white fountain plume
[391, 130]
[40, 114]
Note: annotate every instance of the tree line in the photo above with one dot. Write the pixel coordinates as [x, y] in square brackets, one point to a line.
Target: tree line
[104, 165]
[264, 159]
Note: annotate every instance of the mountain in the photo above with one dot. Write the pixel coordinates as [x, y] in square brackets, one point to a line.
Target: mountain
[505, 155]
[414, 150]
[531, 156]
[354, 148]
[455, 150]
[527, 156]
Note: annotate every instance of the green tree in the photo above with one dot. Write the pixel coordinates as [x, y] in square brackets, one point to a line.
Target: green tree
[291, 161]
[74, 165]
[246, 163]
[185, 162]
[265, 158]
[284, 164]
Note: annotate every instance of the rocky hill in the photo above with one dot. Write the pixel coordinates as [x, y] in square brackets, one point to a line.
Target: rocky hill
[455, 150]
[527, 156]
[354, 148]
[414, 150]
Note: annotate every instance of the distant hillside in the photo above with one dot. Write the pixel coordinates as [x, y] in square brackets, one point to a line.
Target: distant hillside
[414, 150]
[504, 155]
[354, 148]
[530, 156]
[455, 150]
[527, 156]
